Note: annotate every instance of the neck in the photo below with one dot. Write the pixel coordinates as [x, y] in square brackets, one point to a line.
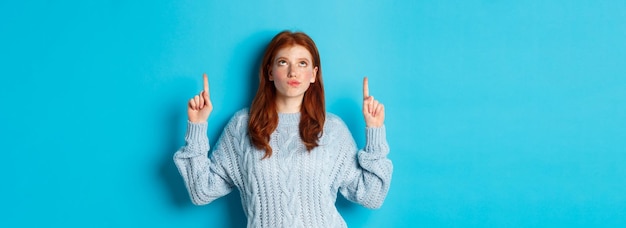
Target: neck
[288, 104]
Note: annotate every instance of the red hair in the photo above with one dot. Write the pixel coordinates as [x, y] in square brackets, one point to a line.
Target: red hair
[263, 114]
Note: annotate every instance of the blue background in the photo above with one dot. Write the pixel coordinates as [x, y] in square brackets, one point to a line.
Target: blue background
[499, 113]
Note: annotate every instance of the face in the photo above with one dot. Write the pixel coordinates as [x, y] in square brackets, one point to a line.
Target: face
[292, 71]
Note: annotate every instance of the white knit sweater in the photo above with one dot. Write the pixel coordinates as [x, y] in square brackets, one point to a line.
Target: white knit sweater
[292, 188]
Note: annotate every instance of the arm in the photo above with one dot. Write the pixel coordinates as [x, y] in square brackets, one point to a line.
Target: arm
[371, 171]
[206, 179]
[368, 175]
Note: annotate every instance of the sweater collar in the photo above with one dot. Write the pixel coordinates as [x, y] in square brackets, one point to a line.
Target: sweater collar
[288, 119]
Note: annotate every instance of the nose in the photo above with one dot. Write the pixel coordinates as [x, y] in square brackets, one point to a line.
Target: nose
[291, 73]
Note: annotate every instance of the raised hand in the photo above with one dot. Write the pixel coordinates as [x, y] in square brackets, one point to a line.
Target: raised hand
[373, 111]
[200, 106]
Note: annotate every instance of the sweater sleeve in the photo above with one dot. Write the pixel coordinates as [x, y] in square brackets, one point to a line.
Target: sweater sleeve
[206, 178]
[367, 176]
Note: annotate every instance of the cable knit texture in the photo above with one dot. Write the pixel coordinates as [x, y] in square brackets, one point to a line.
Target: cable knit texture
[292, 188]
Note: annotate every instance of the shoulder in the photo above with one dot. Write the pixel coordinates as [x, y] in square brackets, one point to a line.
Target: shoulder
[334, 124]
[334, 121]
[241, 115]
[239, 121]
[336, 134]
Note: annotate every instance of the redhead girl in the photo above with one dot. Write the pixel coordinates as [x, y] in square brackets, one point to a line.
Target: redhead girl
[286, 155]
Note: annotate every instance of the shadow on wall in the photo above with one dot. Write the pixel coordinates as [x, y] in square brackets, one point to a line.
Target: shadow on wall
[250, 53]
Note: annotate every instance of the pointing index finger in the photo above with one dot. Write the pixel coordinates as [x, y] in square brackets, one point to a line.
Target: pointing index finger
[206, 83]
[366, 90]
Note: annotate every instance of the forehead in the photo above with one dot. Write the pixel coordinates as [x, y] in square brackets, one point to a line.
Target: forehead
[293, 51]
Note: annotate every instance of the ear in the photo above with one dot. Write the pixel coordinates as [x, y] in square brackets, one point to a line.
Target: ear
[269, 72]
[314, 75]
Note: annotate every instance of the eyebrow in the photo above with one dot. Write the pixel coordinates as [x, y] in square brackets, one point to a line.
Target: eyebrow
[298, 59]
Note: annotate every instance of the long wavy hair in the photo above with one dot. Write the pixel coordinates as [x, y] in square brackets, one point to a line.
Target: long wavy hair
[263, 114]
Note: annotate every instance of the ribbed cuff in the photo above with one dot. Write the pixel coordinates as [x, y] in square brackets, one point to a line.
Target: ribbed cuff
[196, 132]
[376, 139]
[196, 139]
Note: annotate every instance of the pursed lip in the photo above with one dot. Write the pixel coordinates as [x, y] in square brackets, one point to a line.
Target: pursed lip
[293, 83]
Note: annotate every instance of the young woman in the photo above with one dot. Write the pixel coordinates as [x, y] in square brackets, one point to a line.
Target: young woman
[286, 155]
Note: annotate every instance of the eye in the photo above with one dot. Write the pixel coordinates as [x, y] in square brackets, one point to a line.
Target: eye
[282, 62]
[303, 64]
